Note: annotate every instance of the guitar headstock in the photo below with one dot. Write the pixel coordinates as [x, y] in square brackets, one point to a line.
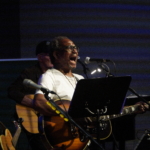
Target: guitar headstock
[18, 123]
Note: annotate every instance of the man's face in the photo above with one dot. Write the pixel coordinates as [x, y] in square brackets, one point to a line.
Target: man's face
[68, 54]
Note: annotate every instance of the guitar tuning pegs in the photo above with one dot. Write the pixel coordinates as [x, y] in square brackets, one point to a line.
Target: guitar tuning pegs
[20, 120]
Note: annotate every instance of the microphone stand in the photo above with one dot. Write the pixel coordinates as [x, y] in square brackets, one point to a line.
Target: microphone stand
[144, 100]
[84, 68]
[70, 119]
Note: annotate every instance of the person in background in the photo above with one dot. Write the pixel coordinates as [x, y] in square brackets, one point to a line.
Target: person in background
[20, 93]
[17, 91]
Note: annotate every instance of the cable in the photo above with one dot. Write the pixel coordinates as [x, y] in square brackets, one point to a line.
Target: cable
[85, 68]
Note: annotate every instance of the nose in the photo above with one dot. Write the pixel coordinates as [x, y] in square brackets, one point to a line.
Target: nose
[75, 49]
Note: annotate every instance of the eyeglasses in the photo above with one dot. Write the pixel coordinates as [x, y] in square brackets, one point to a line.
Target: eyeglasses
[70, 48]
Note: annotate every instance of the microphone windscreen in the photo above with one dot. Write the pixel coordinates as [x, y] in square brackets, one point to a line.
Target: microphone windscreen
[87, 60]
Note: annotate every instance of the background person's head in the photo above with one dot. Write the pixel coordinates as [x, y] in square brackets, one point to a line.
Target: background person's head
[42, 52]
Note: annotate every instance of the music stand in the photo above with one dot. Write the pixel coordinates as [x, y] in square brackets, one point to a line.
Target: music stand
[106, 94]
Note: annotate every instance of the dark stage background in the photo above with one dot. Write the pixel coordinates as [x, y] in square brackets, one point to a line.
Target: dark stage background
[115, 30]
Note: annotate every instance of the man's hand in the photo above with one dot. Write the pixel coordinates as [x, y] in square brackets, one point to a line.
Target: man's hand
[142, 107]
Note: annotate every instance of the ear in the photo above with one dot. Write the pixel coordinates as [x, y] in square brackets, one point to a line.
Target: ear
[39, 57]
[56, 55]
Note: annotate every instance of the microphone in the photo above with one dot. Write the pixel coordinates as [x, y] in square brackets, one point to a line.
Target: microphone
[51, 103]
[89, 60]
[31, 84]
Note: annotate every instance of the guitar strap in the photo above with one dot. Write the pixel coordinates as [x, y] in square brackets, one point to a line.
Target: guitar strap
[2, 128]
[45, 141]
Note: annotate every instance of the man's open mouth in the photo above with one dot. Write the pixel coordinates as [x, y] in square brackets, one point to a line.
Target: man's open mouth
[73, 58]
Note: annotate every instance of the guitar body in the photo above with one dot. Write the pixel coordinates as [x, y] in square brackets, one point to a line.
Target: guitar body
[29, 115]
[6, 141]
[30, 118]
[59, 134]
[3, 142]
[6, 138]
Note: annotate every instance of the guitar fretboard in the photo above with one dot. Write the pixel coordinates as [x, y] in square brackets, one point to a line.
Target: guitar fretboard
[126, 111]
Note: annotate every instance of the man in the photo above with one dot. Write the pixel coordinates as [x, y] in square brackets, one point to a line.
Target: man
[17, 91]
[20, 93]
[61, 80]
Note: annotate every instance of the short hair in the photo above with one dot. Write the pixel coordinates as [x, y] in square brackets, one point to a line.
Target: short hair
[55, 46]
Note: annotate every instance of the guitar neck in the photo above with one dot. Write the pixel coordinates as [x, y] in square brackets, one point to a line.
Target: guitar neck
[16, 136]
[126, 111]
[18, 131]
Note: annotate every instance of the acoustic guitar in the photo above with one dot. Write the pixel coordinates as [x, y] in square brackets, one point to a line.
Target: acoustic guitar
[8, 142]
[2, 139]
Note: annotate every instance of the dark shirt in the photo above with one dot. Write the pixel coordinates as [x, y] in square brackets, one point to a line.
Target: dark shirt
[17, 90]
